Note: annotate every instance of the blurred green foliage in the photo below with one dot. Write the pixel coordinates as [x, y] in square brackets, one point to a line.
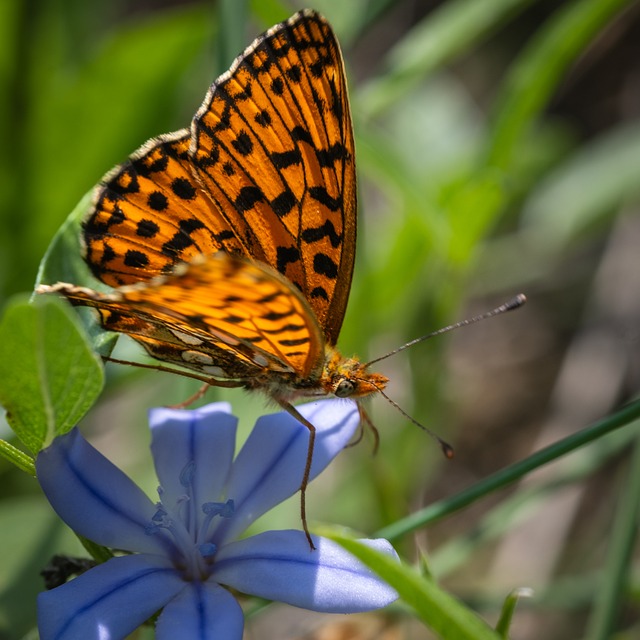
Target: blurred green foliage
[476, 181]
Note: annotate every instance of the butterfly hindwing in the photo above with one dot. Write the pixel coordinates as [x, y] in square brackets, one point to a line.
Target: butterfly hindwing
[221, 315]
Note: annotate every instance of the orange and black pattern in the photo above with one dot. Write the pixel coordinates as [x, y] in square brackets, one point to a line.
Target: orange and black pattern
[266, 171]
[253, 321]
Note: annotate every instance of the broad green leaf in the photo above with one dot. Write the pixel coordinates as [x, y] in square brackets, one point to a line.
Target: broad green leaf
[63, 262]
[439, 610]
[49, 377]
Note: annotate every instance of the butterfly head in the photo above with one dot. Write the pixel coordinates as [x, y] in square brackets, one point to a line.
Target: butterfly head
[349, 378]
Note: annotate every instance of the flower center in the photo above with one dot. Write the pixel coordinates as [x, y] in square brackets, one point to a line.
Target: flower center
[189, 531]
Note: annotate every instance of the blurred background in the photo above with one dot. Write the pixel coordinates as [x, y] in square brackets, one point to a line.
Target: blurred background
[498, 151]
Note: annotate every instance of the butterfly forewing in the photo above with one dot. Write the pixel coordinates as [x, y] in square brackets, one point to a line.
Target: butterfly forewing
[150, 213]
[274, 144]
[266, 171]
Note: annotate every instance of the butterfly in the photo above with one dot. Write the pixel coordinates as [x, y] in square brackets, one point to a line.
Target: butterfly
[231, 243]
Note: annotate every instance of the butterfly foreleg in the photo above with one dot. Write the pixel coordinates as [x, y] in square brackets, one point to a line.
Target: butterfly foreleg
[365, 421]
[291, 410]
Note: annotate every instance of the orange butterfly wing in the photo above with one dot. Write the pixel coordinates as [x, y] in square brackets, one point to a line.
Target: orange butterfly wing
[220, 315]
[266, 171]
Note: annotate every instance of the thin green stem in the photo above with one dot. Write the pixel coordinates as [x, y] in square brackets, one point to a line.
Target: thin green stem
[625, 528]
[18, 458]
[510, 474]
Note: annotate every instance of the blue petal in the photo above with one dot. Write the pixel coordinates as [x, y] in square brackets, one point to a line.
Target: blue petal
[269, 467]
[94, 497]
[204, 438]
[201, 612]
[278, 565]
[109, 601]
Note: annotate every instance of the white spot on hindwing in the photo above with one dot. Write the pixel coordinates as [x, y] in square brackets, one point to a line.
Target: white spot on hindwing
[217, 372]
[223, 337]
[197, 357]
[187, 338]
[260, 360]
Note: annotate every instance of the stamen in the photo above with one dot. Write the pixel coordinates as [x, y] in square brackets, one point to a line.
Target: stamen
[222, 509]
[194, 551]
[186, 475]
[186, 480]
[213, 509]
[161, 516]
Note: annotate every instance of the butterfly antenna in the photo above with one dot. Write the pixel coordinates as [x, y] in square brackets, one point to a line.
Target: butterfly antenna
[446, 448]
[514, 303]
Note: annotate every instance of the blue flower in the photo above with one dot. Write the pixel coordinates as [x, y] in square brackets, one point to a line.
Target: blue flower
[185, 550]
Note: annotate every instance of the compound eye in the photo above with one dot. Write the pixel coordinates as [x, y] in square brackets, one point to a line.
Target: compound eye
[344, 388]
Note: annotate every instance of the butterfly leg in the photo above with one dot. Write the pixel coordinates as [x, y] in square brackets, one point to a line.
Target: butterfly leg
[366, 420]
[192, 398]
[206, 382]
[291, 410]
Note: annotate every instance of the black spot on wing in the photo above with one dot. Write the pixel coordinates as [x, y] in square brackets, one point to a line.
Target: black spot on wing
[300, 134]
[157, 201]
[293, 342]
[325, 230]
[183, 189]
[294, 74]
[322, 196]
[285, 255]
[287, 327]
[248, 198]
[147, 228]
[136, 259]
[182, 238]
[319, 292]
[243, 144]
[277, 86]
[284, 159]
[328, 157]
[263, 118]
[275, 315]
[283, 203]
[325, 266]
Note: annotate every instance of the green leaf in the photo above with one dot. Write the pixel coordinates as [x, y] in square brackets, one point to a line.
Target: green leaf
[445, 33]
[49, 376]
[508, 609]
[566, 204]
[63, 262]
[535, 75]
[63, 258]
[439, 610]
